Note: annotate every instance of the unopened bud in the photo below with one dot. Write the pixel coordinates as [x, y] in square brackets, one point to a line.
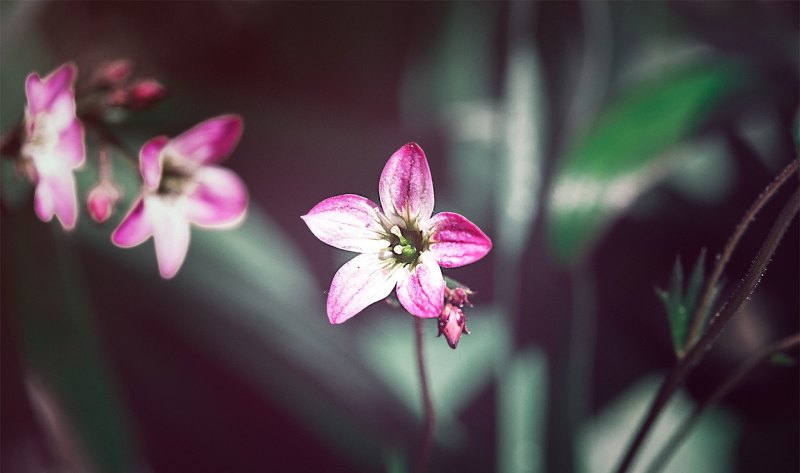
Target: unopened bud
[452, 323]
[145, 93]
[458, 296]
[101, 201]
[113, 72]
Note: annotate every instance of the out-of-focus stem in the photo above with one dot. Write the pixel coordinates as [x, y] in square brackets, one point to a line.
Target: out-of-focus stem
[708, 292]
[683, 366]
[742, 372]
[430, 417]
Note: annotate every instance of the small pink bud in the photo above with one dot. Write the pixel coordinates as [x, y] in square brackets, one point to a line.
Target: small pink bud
[113, 72]
[458, 296]
[145, 93]
[101, 201]
[452, 323]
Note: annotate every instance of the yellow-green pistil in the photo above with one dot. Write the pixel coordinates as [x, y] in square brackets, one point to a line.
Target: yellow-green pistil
[406, 245]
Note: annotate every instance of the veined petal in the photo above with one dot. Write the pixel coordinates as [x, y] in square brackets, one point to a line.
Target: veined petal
[422, 292]
[42, 92]
[150, 165]
[211, 140]
[360, 282]
[135, 228]
[455, 241]
[348, 222]
[56, 195]
[70, 145]
[406, 188]
[171, 235]
[219, 200]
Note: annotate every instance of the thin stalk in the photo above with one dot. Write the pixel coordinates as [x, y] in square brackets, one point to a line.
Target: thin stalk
[683, 366]
[702, 306]
[430, 417]
[741, 373]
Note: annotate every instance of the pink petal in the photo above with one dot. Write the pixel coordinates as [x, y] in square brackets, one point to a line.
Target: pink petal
[150, 164]
[171, 236]
[219, 200]
[42, 92]
[422, 292]
[71, 146]
[348, 222]
[211, 140]
[360, 282]
[406, 188]
[56, 195]
[134, 229]
[455, 241]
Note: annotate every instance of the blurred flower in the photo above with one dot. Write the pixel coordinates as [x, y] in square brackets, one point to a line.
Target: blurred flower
[452, 323]
[101, 200]
[145, 93]
[53, 144]
[402, 246]
[112, 73]
[182, 186]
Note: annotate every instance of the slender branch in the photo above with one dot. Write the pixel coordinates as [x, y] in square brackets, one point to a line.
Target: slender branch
[705, 301]
[683, 366]
[741, 373]
[430, 419]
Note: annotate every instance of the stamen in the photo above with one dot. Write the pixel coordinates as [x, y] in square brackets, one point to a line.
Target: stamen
[398, 249]
[385, 253]
[396, 232]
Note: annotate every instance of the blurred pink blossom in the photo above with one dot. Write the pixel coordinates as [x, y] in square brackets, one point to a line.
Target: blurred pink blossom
[101, 200]
[183, 186]
[402, 246]
[53, 144]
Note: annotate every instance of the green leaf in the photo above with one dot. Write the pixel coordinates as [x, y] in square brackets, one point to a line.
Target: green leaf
[695, 282]
[522, 393]
[710, 447]
[782, 359]
[623, 155]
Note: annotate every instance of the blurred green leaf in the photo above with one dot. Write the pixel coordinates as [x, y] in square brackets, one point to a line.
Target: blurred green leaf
[782, 359]
[706, 172]
[695, 281]
[678, 304]
[523, 413]
[455, 376]
[623, 154]
[709, 448]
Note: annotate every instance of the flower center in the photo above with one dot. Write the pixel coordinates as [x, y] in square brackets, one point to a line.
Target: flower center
[406, 245]
[176, 177]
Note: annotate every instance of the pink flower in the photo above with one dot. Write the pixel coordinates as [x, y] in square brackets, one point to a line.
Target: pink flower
[101, 200]
[182, 186]
[401, 245]
[53, 144]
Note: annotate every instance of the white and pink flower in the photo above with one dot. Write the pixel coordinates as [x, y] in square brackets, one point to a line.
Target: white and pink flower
[183, 187]
[402, 246]
[53, 146]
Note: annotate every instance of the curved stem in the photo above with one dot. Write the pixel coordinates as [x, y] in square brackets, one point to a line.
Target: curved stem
[683, 366]
[430, 419]
[741, 373]
[708, 292]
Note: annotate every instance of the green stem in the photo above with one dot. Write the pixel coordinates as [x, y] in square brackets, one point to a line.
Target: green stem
[708, 293]
[683, 366]
[735, 380]
[430, 417]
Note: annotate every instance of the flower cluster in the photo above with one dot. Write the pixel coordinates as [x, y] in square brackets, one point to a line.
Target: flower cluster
[182, 184]
[402, 245]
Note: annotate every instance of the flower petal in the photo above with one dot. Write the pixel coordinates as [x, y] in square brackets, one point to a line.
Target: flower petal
[56, 195]
[150, 165]
[360, 282]
[219, 200]
[42, 92]
[422, 292]
[455, 241]
[171, 235]
[211, 140]
[134, 229]
[348, 222]
[406, 188]
[70, 145]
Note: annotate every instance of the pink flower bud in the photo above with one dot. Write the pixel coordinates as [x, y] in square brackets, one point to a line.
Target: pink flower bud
[458, 296]
[452, 323]
[145, 93]
[101, 201]
[113, 72]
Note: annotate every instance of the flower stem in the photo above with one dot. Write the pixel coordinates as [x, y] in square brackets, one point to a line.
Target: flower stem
[683, 366]
[697, 319]
[742, 372]
[430, 418]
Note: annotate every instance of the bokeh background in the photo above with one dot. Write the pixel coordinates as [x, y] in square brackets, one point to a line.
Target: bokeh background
[593, 141]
